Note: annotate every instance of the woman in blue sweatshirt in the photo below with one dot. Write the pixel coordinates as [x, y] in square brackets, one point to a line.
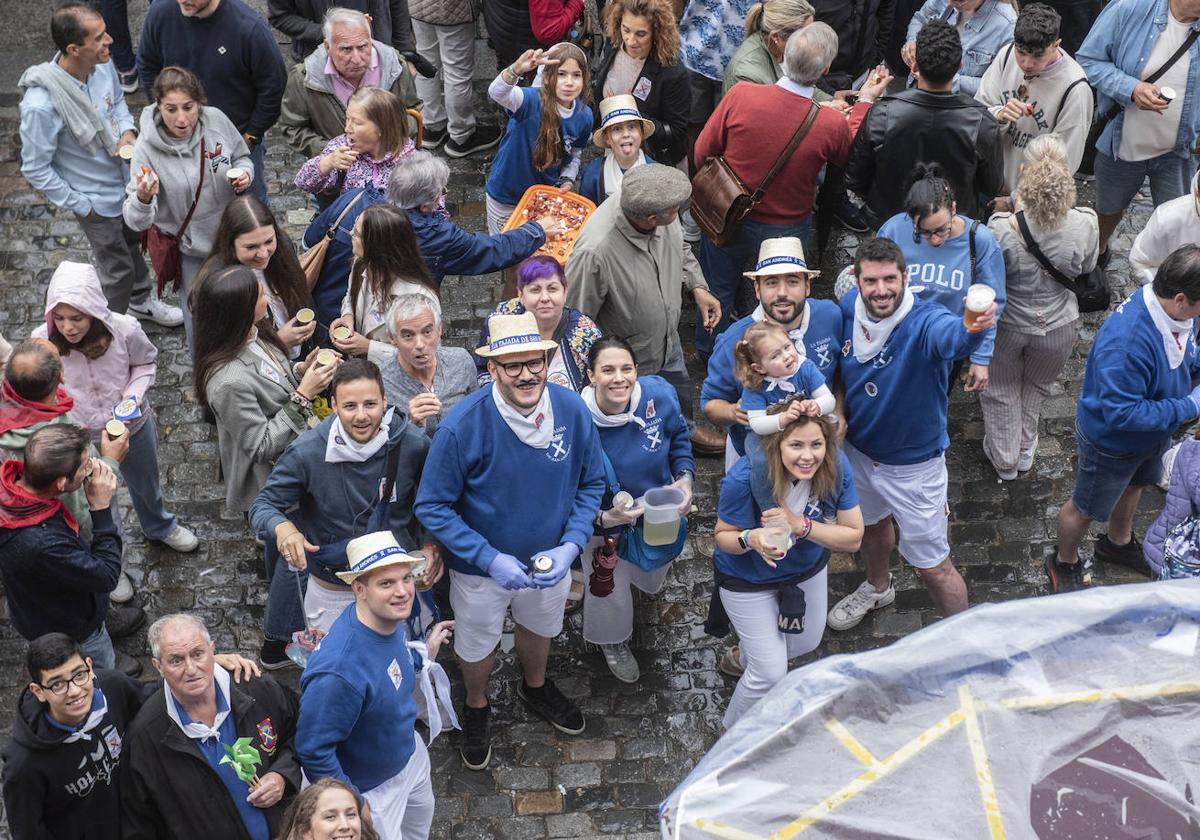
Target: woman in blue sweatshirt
[646, 445]
[947, 252]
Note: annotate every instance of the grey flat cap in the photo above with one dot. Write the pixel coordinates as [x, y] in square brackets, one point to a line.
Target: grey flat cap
[653, 188]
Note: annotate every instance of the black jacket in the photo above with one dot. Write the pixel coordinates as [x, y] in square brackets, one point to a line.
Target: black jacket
[68, 791]
[916, 126]
[301, 20]
[508, 29]
[668, 102]
[55, 583]
[168, 789]
[864, 28]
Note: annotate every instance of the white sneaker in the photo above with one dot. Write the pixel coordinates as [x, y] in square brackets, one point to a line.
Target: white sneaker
[1025, 458]
[1168, 461]
[621, 662]
[691, 230]
[123, 594]
[852, 609]
[158, 312]
[182, 540]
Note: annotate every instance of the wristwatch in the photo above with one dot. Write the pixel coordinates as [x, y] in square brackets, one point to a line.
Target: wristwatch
[742, 541]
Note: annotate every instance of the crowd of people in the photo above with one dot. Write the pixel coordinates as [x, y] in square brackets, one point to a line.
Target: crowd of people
[376, 465]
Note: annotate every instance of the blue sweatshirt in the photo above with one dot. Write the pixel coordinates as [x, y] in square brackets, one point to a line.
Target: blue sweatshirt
[591, 182]
[1131, 400]
[822, 341]
[484, 491]
[944, 272]
[512, 171]
[448, 249]
[807, 379]
[232, 52]
[649, 457]
[356, 705]
[896, 402]
[737, 507]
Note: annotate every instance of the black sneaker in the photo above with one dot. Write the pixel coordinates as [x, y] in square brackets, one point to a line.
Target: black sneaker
[553, 705]
[128, 80]
[476, 749]
[1129, 555]
[273, 655]
[850, 216]
[484, 137]
[128, 665]
[124, 621]
[1104, 259]
[1067, 577]
[431, 138]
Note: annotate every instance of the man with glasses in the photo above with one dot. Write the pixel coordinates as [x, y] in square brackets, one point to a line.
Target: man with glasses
[511, 485]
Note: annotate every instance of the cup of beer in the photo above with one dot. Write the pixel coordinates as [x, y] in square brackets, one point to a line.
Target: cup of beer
[980, 298]
[326, 357]
[342, 333]
[115, 428]
[305, 315]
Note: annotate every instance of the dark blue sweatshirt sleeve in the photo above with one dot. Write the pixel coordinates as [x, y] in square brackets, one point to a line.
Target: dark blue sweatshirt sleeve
[65, 561]
[591, 489]
[463, 252]
[720, 382]
[282, 492]
[269, 77]
[329, 708]
[149, 53]
[945, 337]
[1122, 382]
[680, 454]
[989, 265]
[442, 484]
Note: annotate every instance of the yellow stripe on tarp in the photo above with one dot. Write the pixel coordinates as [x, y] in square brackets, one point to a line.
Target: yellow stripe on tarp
[1129, 692]
[852, 744]
[983, 770]
[719, 829]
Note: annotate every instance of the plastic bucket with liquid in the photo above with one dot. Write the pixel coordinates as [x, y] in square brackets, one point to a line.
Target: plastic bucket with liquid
[660, 523]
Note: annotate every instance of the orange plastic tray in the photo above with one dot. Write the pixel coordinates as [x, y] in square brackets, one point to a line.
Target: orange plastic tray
[560, 246]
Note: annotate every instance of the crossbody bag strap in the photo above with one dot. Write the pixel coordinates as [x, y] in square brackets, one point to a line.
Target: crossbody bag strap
[1033, 249]
[797, 136]
[393, 464]
[196, 199]
[333, 228]
[971, 246]
[1062, 103]
[1192, 35]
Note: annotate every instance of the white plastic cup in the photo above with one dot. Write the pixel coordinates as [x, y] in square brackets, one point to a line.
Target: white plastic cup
[779, 538]
[622, 500]
[660, 523]
[326, 357]
[126, 153]
[1167, 93]
[305, 315]
[980, 297]
[233, 173]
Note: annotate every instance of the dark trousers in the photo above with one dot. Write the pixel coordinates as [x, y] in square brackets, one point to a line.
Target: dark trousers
[1077, 19]
[116, 22]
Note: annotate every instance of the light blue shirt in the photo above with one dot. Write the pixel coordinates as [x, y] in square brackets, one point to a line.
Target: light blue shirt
[983, 34]
[1114, 57]
[72, 177]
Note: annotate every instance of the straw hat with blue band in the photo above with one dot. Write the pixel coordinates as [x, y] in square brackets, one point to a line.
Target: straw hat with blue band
[782, 255]
[375, 551]
[513, 334]
[618, 109]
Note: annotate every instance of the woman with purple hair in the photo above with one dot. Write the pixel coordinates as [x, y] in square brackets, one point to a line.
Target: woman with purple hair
[542, 290]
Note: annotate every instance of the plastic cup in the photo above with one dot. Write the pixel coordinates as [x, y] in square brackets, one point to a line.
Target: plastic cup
[341, 333]
[305, 315]
[1167, 93]
[543, 563]
[660, 523]
[125, 152]
[115, 428]
[233, 173]
[326, 357]
[980, 297]
[622, 500]
[780, 538]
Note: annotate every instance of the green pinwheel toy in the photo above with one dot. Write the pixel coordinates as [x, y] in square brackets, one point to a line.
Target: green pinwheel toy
[244, 759]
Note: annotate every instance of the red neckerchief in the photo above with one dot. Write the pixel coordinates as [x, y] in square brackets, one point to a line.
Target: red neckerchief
[16, 412]
[18, 509]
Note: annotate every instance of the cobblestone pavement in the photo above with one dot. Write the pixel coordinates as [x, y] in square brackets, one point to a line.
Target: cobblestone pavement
[640, 740]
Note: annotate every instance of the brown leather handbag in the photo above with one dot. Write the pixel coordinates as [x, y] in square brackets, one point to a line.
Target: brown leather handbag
[721, 201]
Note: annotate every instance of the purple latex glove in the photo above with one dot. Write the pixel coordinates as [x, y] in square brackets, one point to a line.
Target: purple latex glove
[507, 571]
[562, 556]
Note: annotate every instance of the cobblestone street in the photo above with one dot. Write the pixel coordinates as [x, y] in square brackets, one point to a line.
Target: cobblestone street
[640, 739]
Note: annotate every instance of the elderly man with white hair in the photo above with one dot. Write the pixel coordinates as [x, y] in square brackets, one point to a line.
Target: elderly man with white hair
[301, 21]
[757, 125]
[424, 374]
[314, 101]
[173, 781]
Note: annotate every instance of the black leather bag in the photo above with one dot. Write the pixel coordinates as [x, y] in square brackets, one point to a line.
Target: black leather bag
[1091, 289]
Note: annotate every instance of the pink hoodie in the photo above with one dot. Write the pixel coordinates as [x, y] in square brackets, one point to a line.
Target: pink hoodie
[126, 369]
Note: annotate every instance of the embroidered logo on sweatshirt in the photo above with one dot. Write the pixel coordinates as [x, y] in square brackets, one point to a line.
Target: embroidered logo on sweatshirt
[559, 447]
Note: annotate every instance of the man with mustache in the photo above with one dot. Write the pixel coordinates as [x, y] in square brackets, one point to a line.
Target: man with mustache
[896, 356]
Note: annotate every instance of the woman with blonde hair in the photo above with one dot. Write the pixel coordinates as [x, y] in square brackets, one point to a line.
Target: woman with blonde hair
[326, 809]
[1040, 324]
[768, 26]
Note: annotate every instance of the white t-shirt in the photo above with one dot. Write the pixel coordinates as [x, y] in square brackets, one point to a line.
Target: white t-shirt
[557, 373]
[1148, 134]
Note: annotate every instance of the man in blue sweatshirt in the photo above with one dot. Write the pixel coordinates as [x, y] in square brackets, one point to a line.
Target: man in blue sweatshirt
[231, 50]
[895, 363]
[356, 704]
[1138, 388]
[510, 489]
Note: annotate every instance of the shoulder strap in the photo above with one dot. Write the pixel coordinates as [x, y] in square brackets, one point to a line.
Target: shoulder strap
[338, 221]
[1192, 35]
[393, 464]
[1063, 102]
[1037, 254]
[610, 474]
[971, 245]
[195, 199]
[799, 134]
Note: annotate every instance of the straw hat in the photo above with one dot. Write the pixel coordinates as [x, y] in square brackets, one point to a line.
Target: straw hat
[783, 255]
[618, 109]
[375, 551]
[513, 334]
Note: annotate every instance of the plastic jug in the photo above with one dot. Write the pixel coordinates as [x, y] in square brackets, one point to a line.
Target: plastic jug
[660, 523]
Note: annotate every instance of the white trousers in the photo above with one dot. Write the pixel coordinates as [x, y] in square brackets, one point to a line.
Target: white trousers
[323, 606]
[609, 620]
[765, 650]
[402, 807]
[448, 97]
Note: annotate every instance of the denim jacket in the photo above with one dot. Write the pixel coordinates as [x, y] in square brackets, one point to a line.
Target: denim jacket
[1114, 57]
[989, 29]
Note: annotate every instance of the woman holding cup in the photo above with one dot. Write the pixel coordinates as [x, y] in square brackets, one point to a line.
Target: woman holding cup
[770, 569]
[947, 253]
[646, 445]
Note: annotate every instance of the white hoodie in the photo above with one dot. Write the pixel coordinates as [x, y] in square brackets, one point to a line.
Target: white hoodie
[1172, 225]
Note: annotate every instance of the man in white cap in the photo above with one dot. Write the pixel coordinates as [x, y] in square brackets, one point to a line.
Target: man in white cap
[782, 282]
[357, 706]
[510, 488]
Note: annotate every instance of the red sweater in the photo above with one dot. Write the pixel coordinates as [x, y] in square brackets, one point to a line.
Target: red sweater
[753, 124]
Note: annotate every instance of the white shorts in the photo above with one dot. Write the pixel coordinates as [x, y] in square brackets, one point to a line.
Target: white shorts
[915, 494]
[323, 606]
[402, 806]
[480, 603]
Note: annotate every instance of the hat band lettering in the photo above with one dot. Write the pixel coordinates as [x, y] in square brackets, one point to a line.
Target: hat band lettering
[372, 559]
[527, 338]
[620, 112]
[781, 261]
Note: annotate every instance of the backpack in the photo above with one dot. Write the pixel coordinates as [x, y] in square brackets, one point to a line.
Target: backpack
[1181, 551]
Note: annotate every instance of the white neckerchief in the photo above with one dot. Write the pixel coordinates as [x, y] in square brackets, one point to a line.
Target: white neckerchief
[195, 730]
[93, 720]
[869, 335]
[783, 383]
[343, 449]
[759, 315]
[797, 497]
[612, 421]
[435, 688]
[613, 173]
[1175, 333]
[534, 429]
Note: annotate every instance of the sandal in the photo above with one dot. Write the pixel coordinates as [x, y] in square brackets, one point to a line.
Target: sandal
[731, 663]
[575, 596]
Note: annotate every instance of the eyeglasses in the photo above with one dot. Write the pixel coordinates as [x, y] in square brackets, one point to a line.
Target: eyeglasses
[513, 369]
[943, 232]
[79, 679]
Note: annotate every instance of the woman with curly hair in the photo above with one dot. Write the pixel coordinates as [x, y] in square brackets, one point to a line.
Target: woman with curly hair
[1040, 324]
[326, 809]
[642, 59]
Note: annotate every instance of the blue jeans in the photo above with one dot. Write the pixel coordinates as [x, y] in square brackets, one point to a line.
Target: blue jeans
[1101, 476]
[285, 598]
[1118, 181]
[723, 269]
[116, 22]
[258, 158]
[760, 477]
[100, 648]
[140, 471]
